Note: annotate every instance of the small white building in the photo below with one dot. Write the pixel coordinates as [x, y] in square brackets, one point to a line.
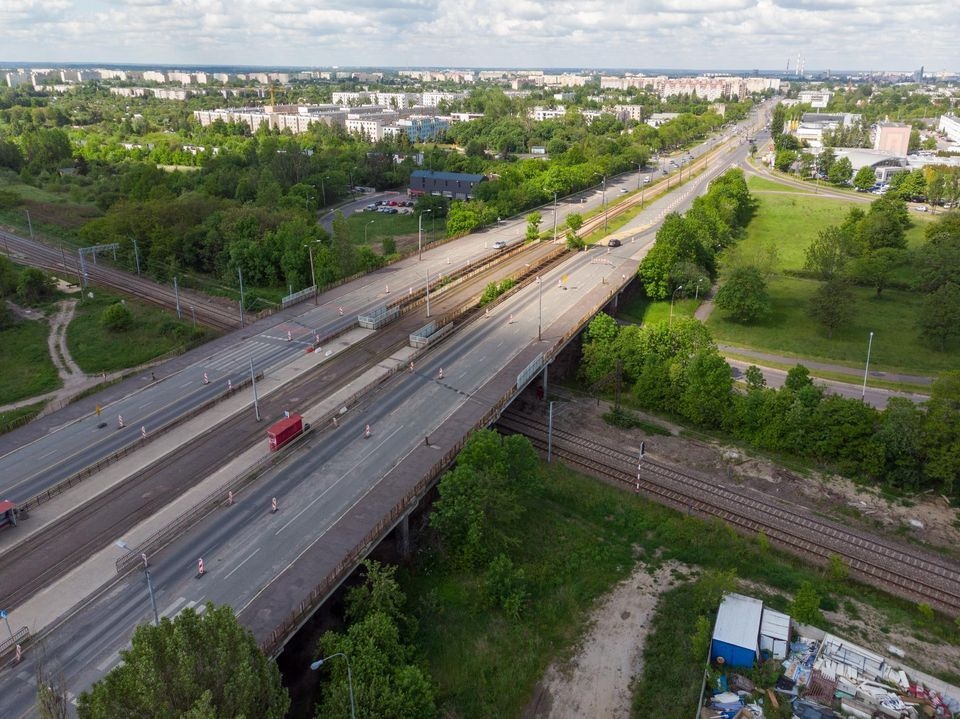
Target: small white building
[774, 633]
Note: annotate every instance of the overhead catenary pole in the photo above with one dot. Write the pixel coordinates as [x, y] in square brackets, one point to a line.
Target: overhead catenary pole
[550, 432]
[428, 293]
[313, 273]
[29, 223]
[136, 254]
[176, 294]
[253, 382]
[240, 275]
[153, 598]
[554, 217]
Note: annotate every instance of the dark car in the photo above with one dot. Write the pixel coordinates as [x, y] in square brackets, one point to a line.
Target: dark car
[613, 243]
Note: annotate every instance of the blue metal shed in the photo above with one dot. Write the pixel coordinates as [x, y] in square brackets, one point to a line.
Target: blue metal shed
[737, 631]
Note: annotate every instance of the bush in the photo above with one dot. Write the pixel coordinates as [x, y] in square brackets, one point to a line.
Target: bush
[116, 318]
[34, 285]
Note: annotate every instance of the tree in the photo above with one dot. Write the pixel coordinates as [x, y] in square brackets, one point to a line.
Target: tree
[379, 592]
[875, 268]
[706, 393]
[533, 225]
[744, 295]
[827, 256]
[784, 160]
[116, 318]
[10, 155]
[386, 681]
[865, 179]
[754, 378]
[574, 223]
[477, 514]
[805, 607]
[193, 663]
[939, 319]
[841, 172]
[34, 285]
[825, 161]
[8, 277]
[941, 436]
[832, 305]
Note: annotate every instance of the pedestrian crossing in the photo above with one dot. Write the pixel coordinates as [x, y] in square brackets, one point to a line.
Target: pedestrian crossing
[259, 350]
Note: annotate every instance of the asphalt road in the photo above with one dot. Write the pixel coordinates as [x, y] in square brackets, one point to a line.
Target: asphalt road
[245, 546]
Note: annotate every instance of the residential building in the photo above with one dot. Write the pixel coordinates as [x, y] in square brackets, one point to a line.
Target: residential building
[949, 125]
[433, 98]
[154, 76]
[817, 99]
[453, 185]
[812, 125]
[659, 118]
[892, 137]
[370, 125]
[629, 112]
[539, 113]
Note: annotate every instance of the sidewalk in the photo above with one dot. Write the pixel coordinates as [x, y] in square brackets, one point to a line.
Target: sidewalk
[55, 602]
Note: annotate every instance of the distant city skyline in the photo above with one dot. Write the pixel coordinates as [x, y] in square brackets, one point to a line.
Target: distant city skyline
[670, 34]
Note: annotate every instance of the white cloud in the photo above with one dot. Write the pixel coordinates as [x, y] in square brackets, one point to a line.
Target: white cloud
[896, 34]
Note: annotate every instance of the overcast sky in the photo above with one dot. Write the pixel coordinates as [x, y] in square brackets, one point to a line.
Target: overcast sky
[834, 34]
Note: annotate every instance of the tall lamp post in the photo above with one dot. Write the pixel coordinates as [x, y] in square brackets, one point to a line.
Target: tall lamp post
[313, 274]
[679, 287]
[863, 392]
[539, 307]
[323, 191]
[146, 570]
[554, 217]
[365, 227]
[420, 235]
[320, 662]
[604, 203]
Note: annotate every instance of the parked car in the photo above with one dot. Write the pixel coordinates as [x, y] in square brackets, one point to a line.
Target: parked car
[370, 208]
[500, 244]
[646, 180]
[624, 190]
[613, 243]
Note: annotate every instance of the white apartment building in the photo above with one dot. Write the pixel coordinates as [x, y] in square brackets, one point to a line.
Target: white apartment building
[817, 99]
[612, 82]
[154, 76]
[949, 125]
[660, 118]
[112, 74]
[539, 113]
[565, 80]
[433, 98]
[370, 125]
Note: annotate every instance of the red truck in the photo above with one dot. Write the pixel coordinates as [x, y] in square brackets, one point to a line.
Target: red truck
[8, 513]
[285, 430]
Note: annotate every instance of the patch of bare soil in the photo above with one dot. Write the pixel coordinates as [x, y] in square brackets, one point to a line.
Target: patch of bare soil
[596, 681]
[930, 520]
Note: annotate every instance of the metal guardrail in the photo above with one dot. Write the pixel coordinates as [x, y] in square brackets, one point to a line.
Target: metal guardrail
[19, 637]
[530, 371]
[296, 297]
[116, 455]
[379, 316]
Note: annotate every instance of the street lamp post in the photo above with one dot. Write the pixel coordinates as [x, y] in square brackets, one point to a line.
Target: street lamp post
[427, 281]
[863, 392]
[604, 200]
[539, 307]
[146, 570]
[420, 235]
[320, 662]
[365, 227]
[323, 191]
[679, 287]
[554, 217]
[639, 177]
[313, 273]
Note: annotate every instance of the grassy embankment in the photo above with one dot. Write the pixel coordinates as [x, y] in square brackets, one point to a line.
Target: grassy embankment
[582, 538]
[154, 332]
[25, 359]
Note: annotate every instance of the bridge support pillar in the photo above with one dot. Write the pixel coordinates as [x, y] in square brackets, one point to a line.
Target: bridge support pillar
[545, 368]
[404, 545]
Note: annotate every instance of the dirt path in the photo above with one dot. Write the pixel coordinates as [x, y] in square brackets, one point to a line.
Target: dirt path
[596, 681]
[73, 378]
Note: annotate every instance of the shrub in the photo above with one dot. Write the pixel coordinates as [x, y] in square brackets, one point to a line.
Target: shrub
[116, 318]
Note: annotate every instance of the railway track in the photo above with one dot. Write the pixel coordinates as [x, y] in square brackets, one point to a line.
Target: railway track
[31, 565]
[209, 311]
[900, 570]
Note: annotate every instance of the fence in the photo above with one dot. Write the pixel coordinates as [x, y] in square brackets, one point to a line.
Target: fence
[379, 316]
[19, 637]
[297, 296]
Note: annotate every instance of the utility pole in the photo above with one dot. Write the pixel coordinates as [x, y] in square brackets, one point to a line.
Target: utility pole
[240, 275]
[550, 433]
[29, 223]
[176, 294]
[136, 254]
[554, 217]
[253, 382]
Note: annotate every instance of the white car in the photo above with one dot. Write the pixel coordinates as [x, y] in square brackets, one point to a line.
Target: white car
[500, 245]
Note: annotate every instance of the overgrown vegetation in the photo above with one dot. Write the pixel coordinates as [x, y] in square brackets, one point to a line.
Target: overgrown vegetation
[25, 358]
[108, 333]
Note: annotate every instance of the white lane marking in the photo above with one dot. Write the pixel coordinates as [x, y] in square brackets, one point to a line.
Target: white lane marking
[201, 608]
[47, 454]
[173, 607]
[338, 480]
[249, 557]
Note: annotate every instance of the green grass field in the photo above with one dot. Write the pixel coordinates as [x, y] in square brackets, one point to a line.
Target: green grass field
[154, 333]
[791, 223]
[641, 310]
[14, 418]
[788, 330]
[583, 538]
[402, 228]
[25, 359]
[761, 183]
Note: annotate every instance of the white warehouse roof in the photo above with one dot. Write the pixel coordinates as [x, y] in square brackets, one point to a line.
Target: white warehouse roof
[738, 621]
